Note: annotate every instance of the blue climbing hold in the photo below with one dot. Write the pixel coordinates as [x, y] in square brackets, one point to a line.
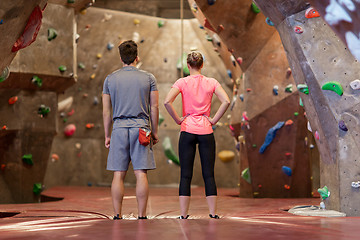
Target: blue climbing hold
[270, 136]
[287, 170]
[241, 96]
[109, 46]
[211, 2]
[229, 73]
[269, 22]
[1, 21]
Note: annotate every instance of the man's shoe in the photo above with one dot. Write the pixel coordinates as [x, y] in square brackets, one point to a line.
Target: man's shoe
[142, 217]
[215, 216]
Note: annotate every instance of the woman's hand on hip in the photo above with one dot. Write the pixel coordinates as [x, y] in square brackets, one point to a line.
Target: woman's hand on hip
[209, 119]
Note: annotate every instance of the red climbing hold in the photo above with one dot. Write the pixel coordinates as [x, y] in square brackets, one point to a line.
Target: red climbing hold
[248, 89]
[89, 125]
[288, 154]
[3, 166]
[4, 127]
[13, 100]
[312, 13]
[289, 122]
[69, 130]
[239, 60]
[286, 186]
[31, 30]
[317, 136]
[298, 30]
[245, 117]
[208, 25]
[71, 112]
[220, 28]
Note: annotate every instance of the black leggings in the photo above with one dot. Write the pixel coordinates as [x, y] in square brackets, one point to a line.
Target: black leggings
[187, 150]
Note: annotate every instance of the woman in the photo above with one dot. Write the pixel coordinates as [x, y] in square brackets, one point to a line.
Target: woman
[196, 128]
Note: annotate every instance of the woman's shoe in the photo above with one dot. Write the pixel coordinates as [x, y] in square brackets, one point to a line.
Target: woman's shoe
[182, 217]
[215, 216]
[117, 217]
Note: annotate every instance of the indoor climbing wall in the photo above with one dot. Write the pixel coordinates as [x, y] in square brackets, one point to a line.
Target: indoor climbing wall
[327, 72]
[82, 156]
[266, 97]
[29, 99]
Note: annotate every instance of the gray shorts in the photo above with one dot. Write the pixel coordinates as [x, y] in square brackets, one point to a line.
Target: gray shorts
[125, 147]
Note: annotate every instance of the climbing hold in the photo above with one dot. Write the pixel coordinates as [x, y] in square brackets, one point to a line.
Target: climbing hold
[289, 122]
[241, 96]
[52, 34]
[70, 1]
[301, 102]
[96, 100]
[226, 155]
[303, 88]
[306, 141]
[161, 118]
[27, 158]
[3, 166]
[99, 55]
[211, 2]
[288, 88]
[93, 76]
[62, 68]
[185, 68]
[311, 13]
[43, 110]
[270, 136]
[288, 72]
[244, 116]
[245, 174]
[288, 154]
[31, 30]
[309, 126]
[324, 192]
[4, 127]
[136, 21]
[333, 86]
[89, 125]
[69, 130]
[286, 170]
[81, 65]
[109, 46]
[276, 90]
[311, 146]
[342, 126]
[65, 104]
[298, 29]
[317, 136]
[5, 74]
[269, 22]
[254, 145]
[1, 21]
[77, 145]
[70, 113]
[355, 85]
[12, 100]
[255, 8]
[160, 23]
[219, 29]
[232, 104]
[37, 189]
[136, 37]
[54, 157]
[36, 80]
[239, 60]
[322, 205]
[232, 58]
[355, 184]
[208, 26]
[229, 73]
[287, 187]
[77, 37]
[237, 146]
[169, 151]
[296, 114]
[248, 89]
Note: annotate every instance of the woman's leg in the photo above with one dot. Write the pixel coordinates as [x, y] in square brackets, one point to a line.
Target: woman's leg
[207, 155]
[187, 150]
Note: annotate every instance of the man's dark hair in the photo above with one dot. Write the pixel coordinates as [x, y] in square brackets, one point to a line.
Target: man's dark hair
[128, 51]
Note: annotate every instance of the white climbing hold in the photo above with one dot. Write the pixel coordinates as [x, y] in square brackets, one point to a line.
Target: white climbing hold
[355, 184]
[322, 205]
[355, 85]
[136, 37]
[309, 127]
[65, 104]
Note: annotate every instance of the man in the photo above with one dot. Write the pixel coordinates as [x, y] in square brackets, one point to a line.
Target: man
[133, 96]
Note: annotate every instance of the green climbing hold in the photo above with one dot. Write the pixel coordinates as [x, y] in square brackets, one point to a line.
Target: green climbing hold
[324, 192]
[43, 110]
[288, 88]
[27, 158]
[5, 74]
[169, 151]
[245, 174]
[209, 38]
[255, 8]
[161, 118]
[52, 34]
[333, 86]
[70, 1]
[161, 23]
[254, 145]
[62, 68]
[185, 68]
[36, 80]
[37, 189]
[296, 114]
[301, 102]
[303, 88]
[81, 65]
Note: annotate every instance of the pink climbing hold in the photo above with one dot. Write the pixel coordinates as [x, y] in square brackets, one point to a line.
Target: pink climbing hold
[239, 60]
[69, 130]
[317, 136]
[244, 115]
[31, 30]
[298, 30]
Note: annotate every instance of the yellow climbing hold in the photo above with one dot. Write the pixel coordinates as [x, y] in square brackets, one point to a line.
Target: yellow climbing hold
[92, 76]
[226, 155]
[136, 21]
[99, 55]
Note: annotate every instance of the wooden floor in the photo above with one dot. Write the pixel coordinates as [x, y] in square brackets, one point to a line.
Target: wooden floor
[86, 212]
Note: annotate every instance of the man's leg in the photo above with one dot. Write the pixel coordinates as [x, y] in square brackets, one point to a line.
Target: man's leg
[142, 191]
[117, 191]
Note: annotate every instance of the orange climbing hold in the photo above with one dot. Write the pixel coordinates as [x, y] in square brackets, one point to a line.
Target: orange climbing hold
[13, 100]
[286, 186]
[312, 13]
[89, 125]
[4, 127]
[289, 122]
[54, 157]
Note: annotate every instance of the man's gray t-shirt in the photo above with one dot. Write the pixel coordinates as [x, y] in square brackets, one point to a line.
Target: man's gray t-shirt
[129, 89]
